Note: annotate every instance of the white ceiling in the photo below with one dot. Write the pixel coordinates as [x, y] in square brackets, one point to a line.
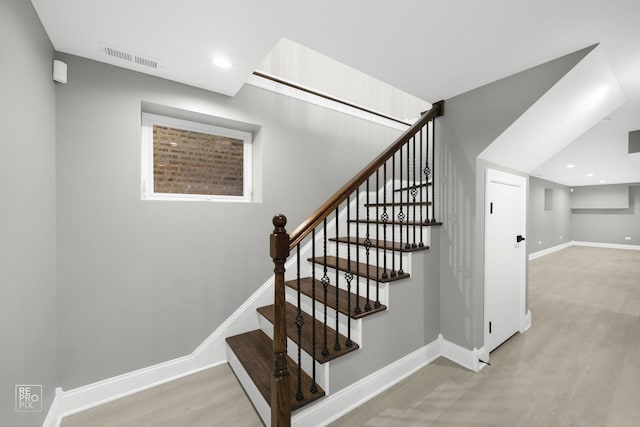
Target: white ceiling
[432, 50]
[585, 94]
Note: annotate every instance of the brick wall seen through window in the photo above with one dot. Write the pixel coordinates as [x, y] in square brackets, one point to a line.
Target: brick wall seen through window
[187, 162]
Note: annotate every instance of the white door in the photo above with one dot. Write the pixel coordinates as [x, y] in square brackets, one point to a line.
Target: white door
[505, 256]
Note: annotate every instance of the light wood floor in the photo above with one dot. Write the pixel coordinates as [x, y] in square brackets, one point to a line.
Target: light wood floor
[579, 365]
[209, 398]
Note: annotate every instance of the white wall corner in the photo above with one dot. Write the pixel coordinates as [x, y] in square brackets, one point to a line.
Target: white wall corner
[464, 357]
[483, 356]
[525, 322]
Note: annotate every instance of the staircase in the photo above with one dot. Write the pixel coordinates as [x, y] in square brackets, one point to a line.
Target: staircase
[346, 255]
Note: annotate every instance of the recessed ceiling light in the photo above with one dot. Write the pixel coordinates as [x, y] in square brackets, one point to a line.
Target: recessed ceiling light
[571, 166]
[602, 181]
[589, 174]
[222, 62]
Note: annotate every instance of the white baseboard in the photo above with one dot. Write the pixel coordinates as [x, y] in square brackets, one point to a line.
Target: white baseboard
[464, 357]
[608, 245]
[556, 248]
[54, 415]
[338, 404]
[89, 396]
[550, 250]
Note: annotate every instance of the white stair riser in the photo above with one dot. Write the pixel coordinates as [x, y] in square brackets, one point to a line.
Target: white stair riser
[307, 307]
[392, 231]
[359, 253]
[261, 405]
[322, 370]
[383, 287]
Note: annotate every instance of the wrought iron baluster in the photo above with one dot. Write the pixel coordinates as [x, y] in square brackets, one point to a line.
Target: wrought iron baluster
[414, 192]
[393, 215]
[385, 219]
[299, 325]
[422, 189]
[427, 174]
[314, 386]
[349, 275]
[407, 245]
[336, 344]
[325, 284]
[367, 247]
[358, 309]
[433, 171]
[376, 304]
[401, 214]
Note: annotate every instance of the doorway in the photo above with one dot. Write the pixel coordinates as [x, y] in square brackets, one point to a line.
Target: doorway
[505, 256]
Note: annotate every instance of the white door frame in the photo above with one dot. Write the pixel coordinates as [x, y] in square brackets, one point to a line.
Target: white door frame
[509, 179]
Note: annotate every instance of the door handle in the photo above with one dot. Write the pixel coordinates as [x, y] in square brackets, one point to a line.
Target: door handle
[519, 238]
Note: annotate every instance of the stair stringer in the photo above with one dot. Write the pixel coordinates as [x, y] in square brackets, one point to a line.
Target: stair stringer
[213, 349]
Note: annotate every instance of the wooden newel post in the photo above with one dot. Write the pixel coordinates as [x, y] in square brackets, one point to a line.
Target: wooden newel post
[280, 382]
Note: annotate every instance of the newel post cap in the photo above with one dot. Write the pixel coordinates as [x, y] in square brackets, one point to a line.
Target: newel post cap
[279, 238]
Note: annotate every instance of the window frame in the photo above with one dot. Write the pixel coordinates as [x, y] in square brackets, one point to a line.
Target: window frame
[148, 120]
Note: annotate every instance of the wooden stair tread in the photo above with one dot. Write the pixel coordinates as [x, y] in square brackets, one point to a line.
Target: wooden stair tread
[382, 244]
[254, 350]
[373, 205]
[307, 344]
[375, 273]
[422, 184]
[411, 223]
[306, 288]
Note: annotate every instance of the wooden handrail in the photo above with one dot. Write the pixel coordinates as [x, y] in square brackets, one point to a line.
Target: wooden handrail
[325, 96]
[341, 195]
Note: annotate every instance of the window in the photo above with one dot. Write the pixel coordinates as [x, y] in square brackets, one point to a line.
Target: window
[184, 160]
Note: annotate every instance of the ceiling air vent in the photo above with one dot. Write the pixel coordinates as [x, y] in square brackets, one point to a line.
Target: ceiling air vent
[118, 53]
[146, 62]
[129, 56]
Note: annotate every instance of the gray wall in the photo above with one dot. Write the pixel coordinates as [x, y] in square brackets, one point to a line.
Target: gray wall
[142, 282]
[472, 121]
[609, 225]
[410, 323]
[614, 196]
[548, 228]
[27, 216]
